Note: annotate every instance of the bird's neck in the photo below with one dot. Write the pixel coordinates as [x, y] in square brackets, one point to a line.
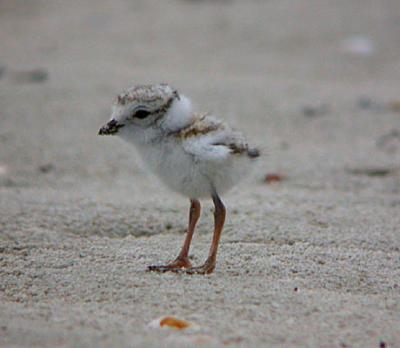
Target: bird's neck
[179, 115]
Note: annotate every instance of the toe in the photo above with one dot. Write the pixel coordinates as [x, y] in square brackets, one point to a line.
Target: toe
[205, 269]
[177, 265]
[158, 268]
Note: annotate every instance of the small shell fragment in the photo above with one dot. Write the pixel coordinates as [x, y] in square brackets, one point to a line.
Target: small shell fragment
[174, 323]
[273, 177]
[171, 323]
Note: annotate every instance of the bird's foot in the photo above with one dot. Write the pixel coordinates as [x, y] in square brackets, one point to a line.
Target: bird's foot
[178, 264]
[207, 268]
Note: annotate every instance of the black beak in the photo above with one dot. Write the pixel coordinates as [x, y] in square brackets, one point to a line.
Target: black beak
[110, 128]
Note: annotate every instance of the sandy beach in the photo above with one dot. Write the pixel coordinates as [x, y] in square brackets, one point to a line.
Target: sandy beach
[312, 260]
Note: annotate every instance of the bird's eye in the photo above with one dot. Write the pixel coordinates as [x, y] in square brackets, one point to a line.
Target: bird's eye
[141, 114]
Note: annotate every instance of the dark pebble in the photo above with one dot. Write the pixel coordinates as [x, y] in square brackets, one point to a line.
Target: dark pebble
[32, 76]
[315, 110]
[372, 171]
[46, 168]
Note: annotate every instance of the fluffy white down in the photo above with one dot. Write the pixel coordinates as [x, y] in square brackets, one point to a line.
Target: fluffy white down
[179, 115]
[194, 167]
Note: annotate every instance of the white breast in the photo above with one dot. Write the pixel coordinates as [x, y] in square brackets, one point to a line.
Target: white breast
[177, 169]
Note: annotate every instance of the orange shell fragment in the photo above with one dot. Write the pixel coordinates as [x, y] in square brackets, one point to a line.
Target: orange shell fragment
[174, 323]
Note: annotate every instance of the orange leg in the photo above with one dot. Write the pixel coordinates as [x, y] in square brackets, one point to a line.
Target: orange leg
[219, 220]
[182, 261]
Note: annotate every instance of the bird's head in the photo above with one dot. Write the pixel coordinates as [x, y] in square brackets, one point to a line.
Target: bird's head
[140, 107]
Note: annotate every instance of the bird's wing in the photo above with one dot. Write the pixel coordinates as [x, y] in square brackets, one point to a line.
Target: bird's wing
[208, 139]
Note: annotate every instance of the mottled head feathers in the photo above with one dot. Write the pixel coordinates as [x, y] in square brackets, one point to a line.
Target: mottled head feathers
[153, 96]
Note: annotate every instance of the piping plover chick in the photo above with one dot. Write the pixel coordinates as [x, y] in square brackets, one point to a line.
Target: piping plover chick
[194, 154]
